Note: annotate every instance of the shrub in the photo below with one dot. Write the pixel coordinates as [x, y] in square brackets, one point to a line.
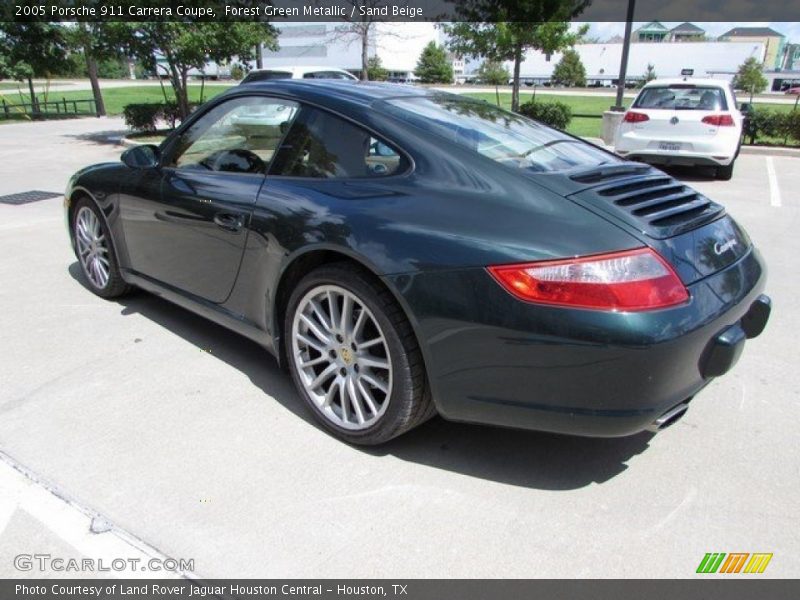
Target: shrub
[237, 72]
[145, 117]
[142, 117]
[791, 125]
[766, 123]
[113, 68]
[554, 114]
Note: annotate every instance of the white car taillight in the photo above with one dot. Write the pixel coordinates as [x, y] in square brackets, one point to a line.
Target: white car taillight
[635, 117]
[719, 120]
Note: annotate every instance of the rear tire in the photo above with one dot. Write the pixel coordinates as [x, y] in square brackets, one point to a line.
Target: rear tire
[94, 249]
[725, 173]
[354, 357]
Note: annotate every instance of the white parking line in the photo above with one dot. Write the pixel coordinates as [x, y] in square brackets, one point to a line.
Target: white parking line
[774, 190]
[67, 520]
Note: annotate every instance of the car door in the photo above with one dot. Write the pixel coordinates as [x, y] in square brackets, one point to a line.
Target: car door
[187, 225]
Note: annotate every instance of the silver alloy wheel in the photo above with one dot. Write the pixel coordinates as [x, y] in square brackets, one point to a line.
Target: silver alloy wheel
[341, 357]
[92, 247]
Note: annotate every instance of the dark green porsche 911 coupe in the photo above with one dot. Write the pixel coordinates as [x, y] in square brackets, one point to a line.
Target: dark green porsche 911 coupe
[406, 252]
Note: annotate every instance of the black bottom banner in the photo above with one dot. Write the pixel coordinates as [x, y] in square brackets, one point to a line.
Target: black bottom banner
[407, 589]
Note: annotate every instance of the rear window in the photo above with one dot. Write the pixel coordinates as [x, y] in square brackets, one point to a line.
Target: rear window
[266, 75]
[682, 97]
[327, 75]
[503, 136]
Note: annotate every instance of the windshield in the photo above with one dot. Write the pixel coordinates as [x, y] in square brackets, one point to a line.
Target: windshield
[498, 134]
[682, 97]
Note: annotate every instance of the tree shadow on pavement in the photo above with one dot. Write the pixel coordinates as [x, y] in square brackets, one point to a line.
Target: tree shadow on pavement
[521, 458]
[108, 138]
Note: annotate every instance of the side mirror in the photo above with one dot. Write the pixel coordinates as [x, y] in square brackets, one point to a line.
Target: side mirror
[145, 156]
[745, 108]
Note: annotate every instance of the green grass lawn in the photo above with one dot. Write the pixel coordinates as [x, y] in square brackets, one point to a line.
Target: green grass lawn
[580, 105]
[117, 98]
[587, 105]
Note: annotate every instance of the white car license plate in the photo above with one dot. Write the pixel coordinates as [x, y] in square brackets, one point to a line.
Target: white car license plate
[669, 146]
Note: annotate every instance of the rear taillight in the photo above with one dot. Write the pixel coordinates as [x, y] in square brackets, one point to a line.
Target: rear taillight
[632, 280]
[718, 120]
[635, 117]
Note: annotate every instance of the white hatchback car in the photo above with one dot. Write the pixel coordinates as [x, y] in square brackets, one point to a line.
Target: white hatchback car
[297, 73]
[683, 122]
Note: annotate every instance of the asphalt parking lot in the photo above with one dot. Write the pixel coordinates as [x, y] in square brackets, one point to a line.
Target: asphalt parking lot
[189, 442]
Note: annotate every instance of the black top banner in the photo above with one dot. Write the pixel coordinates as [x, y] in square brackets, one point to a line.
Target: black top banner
[398, 10]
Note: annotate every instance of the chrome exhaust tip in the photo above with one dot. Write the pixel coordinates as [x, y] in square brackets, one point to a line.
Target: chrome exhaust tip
[670, 417]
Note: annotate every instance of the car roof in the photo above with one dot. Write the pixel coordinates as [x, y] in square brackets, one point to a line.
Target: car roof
[722, 83]
[342, 90]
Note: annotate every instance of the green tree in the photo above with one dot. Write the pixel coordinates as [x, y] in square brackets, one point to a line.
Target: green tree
[650, 73]
[750, 78]
[493, 72]
[505, 29]
[100, 44]
[28, 50]
[375, 70]
[434, 66]
[570, 70]
[175, 48]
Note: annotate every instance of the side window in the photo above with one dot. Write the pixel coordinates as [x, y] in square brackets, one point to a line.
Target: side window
[324, 146]
[238, 136]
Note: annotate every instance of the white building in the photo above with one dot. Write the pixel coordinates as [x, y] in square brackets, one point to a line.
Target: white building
[398, 45]
[708, 59]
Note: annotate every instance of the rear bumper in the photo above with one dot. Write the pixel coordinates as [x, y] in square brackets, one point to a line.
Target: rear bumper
[493, 359]
[716, 150]
[679, 160]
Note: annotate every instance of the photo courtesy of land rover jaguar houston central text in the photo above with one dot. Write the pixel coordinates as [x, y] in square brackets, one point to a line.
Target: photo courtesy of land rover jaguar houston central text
[406, 252]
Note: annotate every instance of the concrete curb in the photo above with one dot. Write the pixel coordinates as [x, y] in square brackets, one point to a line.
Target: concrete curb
[126, 141]
[770, 151]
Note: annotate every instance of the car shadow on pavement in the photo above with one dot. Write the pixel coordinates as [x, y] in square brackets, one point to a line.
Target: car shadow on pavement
[515, 457]
[691, 174]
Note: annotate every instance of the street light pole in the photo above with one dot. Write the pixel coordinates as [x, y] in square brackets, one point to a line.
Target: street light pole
[623, 65]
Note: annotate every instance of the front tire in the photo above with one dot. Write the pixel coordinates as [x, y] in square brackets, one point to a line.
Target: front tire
[95, 251]
[725, 173]
[354, 357]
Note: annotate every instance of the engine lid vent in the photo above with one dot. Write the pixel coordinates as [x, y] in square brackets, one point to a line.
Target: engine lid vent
[652, 201]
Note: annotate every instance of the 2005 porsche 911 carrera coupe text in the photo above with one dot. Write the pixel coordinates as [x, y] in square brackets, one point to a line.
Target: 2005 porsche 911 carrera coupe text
[406, 252]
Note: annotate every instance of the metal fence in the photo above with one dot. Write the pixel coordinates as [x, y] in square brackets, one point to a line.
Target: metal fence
[48, 109]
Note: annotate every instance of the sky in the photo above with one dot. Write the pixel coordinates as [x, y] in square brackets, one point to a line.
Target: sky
[607, 30]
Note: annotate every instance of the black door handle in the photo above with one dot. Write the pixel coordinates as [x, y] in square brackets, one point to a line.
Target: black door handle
[229, 221]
